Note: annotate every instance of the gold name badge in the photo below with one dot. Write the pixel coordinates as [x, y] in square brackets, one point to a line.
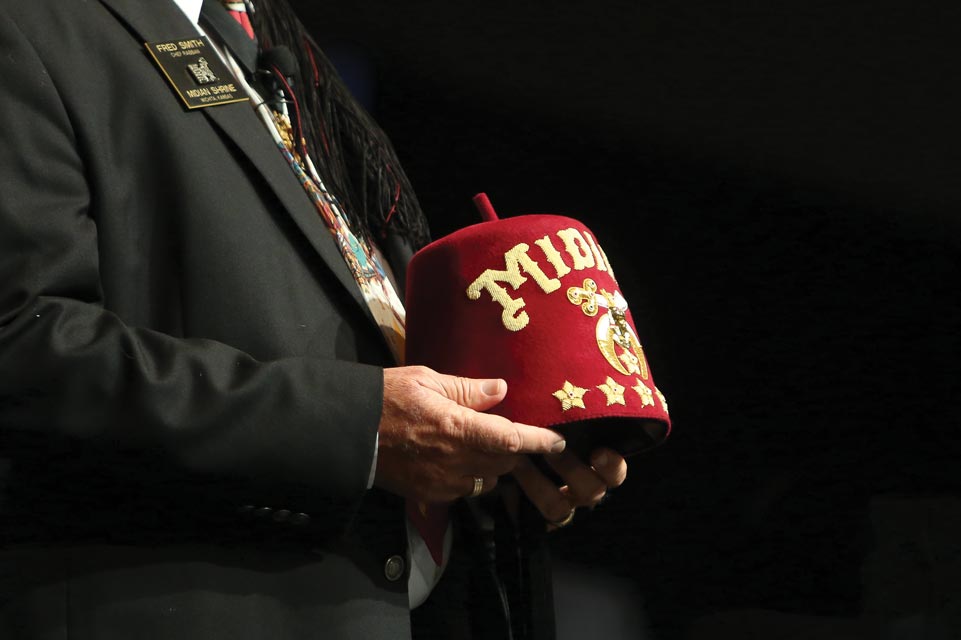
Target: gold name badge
[196, 72]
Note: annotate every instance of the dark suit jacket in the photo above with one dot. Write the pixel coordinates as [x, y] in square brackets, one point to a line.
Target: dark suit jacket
[190, 384]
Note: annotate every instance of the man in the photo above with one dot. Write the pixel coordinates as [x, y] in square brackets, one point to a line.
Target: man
[203, 431]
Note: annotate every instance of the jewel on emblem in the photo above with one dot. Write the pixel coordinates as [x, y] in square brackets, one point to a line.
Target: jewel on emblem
[570, 396]
[644, 391]
[661, 397]
[613, 391]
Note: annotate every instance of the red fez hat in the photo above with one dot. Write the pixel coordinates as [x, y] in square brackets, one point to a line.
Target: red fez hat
[533, 300]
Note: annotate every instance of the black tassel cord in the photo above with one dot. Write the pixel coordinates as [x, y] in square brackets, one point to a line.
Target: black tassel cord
[353, 156]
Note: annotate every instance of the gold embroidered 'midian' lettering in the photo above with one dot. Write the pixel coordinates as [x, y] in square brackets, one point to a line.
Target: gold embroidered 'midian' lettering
[582, 251]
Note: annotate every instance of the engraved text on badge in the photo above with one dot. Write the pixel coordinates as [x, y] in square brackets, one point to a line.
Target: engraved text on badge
[196, 72]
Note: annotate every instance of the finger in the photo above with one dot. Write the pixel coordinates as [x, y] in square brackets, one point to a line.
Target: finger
[560, 524]
[480, 463]
[485, 432]
[585, 486]
[496, 434]
[549, 499]
[479, 394]
[487, 484]
[610, 466]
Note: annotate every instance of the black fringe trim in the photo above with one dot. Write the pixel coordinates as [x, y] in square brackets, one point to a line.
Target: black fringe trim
[351, 153]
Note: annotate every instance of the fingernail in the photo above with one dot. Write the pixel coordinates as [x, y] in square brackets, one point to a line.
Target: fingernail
[559, 446]
[600, 460]
[491, 387]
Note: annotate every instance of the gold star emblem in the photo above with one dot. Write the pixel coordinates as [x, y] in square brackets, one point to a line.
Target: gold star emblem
[661, 397]
[570, 396]
[647, 397]
[630, 362]
[613, 391]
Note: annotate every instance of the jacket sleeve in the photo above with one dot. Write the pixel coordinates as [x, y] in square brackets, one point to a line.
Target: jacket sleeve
[70, 369]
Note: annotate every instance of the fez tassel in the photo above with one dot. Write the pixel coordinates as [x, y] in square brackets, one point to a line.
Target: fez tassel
[485, 208]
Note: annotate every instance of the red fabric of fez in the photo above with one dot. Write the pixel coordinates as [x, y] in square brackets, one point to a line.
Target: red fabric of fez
[533, 300]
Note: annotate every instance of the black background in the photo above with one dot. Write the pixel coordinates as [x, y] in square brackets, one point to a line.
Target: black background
[776, 185]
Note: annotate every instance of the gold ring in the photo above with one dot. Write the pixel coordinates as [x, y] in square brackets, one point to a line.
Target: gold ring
[478, 487]
[566, 521]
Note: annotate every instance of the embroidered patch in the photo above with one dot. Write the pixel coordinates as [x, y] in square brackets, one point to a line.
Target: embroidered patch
[570, 396]
[613, 391]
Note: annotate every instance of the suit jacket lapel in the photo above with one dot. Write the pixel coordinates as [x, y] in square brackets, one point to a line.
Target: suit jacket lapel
[161, 21]
[239, 123]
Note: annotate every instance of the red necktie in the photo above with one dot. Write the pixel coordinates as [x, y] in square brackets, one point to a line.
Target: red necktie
[241, 17]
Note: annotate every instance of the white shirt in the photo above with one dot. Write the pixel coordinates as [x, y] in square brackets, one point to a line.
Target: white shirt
[191, 9]
[424, 573]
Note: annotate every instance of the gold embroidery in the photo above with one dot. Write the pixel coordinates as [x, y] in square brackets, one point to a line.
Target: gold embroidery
[585, 297]
[553, 256]
[631, 362]
[644, 391]
[570, 396]
[663, 400]
[511, 315]
[576, 247]
[613, 391]
[584, 253]
[598, 258]
[515, 261]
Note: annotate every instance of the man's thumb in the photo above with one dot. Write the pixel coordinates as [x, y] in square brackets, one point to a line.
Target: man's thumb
[478, 394]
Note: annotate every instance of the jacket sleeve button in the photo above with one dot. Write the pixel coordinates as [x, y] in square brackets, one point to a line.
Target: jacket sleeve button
[394, 568]
[263, 512]
[282, 515]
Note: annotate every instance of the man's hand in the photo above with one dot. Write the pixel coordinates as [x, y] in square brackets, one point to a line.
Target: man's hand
[585, 485]
[434, 440]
